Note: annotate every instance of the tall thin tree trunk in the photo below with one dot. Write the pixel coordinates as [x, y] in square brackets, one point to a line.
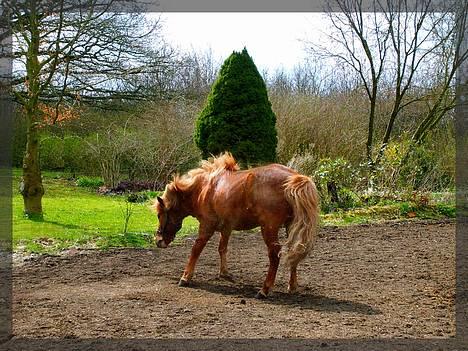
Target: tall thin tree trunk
[31, 186]
[370, 130]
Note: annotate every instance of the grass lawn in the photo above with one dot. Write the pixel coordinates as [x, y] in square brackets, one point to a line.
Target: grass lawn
[79, 217]
[75, 216]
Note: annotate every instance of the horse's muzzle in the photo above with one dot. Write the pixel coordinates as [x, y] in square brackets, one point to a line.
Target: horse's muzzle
[161, 244]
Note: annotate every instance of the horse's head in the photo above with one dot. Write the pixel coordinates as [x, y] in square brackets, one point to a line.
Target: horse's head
[170, 221]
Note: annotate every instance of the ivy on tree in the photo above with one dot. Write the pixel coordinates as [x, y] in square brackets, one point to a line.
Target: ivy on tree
[237, 116]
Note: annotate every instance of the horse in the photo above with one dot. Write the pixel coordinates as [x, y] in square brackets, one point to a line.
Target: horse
[224, 198]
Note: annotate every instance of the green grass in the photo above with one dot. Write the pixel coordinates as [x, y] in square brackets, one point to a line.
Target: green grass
[77, 216]
[389, 212]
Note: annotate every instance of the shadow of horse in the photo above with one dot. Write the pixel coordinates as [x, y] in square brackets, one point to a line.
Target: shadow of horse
[306, 300]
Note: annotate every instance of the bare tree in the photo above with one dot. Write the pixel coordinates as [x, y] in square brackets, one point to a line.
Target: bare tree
[280, 83]
[197, 72]
[188, 74]
[74, 51]
[306, 78]
[450, 55]
[309, 78]
[151, 145]
[393, 46]
[361, 44]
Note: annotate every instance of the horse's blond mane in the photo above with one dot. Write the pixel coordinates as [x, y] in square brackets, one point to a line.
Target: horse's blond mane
[208, 170]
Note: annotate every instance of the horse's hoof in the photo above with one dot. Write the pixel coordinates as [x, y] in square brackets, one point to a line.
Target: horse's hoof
[228, 277]
[292, 289]
[183, 282]
[261, 295]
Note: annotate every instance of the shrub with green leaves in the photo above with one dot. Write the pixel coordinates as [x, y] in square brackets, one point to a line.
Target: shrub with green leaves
[237, 116]
[336, 180]
[51, 152]
[137, 197]
[425, 170]
[75, 155]
[338, 170]
[89, 182]
[447, 210]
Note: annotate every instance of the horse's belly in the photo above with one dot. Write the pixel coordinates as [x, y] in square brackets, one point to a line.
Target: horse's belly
[245, 225]
[245, 220]
[249, 218]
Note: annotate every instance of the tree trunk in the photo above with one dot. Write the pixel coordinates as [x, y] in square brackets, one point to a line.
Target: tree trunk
[332, 190]
[31, 185]
[370, 129]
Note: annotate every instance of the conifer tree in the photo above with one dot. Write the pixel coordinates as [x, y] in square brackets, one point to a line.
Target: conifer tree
[237, 116]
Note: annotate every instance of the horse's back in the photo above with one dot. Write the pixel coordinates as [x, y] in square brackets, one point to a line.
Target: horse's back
[253, 197]
[272, 174]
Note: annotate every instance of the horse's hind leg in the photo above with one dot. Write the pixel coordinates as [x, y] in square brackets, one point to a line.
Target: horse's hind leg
[270, 236]
[222, 249]
[204, 235]
[292, 286]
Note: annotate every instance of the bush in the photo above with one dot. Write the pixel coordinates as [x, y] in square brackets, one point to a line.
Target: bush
[407, 167]
[136, 186]
[406, 208]
[162, 144]
[137, 197]
[306, 163]
[425, 169]
[329, 126]
[75, 155]
[336, 176]
[338, 171]
[51, 152]
[348, 199]
[335, 180]
[151, 145]
[65, 153]
[89, 182]
[237, 116]
[447, 210]
[108, 148]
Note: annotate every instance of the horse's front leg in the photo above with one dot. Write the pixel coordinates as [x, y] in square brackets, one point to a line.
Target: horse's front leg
[270, 236]
[204, 234]
[222, 249]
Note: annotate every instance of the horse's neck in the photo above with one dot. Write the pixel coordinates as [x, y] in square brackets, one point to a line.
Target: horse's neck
[191, 198]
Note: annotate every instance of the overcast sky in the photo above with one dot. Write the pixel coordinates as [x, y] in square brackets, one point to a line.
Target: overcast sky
[272, 39]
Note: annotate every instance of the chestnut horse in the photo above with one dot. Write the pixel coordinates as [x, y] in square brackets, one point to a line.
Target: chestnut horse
[223, 199]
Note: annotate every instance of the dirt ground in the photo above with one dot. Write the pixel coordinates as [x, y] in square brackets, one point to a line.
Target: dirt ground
[367, 281]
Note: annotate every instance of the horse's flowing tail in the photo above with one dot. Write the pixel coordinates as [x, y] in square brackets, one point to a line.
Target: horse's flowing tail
[303, 197]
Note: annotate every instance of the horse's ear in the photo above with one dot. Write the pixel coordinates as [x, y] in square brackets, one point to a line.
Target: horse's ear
[161, 201]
